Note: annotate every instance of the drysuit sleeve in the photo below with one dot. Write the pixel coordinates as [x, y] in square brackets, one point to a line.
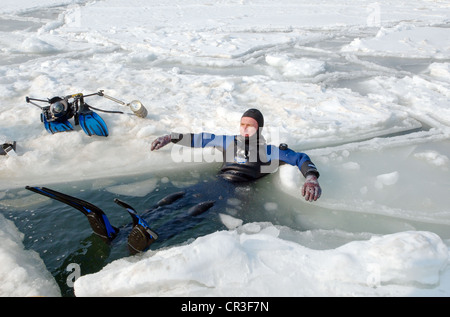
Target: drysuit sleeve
[301, 160]
[201, 140]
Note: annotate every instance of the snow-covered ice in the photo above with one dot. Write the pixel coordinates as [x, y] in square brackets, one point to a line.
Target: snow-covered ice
[22, 273]
[362, 88]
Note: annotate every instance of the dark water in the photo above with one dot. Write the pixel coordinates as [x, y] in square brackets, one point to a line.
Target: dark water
[62, 235]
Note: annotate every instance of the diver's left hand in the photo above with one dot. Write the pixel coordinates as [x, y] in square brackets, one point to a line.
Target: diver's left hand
[311, 189]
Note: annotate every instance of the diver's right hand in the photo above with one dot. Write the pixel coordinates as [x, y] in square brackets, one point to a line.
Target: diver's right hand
[160, 142]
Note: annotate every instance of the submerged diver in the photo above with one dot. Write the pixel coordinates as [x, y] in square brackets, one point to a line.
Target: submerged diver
[247, 156]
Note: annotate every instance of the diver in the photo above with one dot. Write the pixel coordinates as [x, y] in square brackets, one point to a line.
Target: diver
[247, 156]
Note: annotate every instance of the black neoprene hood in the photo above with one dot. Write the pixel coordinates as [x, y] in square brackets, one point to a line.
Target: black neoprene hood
[255, 114]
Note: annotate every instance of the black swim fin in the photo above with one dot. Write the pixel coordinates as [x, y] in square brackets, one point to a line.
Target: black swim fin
[141, 236]
[97, 218]
[91, 122]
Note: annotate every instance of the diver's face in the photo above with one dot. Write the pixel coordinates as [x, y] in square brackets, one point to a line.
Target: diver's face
[248, 127]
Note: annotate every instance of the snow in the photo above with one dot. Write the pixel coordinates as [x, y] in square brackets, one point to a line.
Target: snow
[411, 41]
[255, 261]
[363, 89]
[22, 273]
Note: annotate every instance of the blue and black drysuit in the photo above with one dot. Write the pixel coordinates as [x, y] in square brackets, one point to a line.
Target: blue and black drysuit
[246, 159]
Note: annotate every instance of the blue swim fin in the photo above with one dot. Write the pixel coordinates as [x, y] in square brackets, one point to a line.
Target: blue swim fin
[57, 126]
[91, 122]
[141, 236]
[96, 217]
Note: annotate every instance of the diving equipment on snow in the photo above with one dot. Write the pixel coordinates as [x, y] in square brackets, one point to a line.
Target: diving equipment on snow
[136, 106]
[56, 116]
[55, 126]
[8, 148]
[91, 122]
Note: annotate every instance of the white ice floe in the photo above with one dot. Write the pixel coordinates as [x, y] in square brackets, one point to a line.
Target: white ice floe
[22, 272]
[256, 262]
